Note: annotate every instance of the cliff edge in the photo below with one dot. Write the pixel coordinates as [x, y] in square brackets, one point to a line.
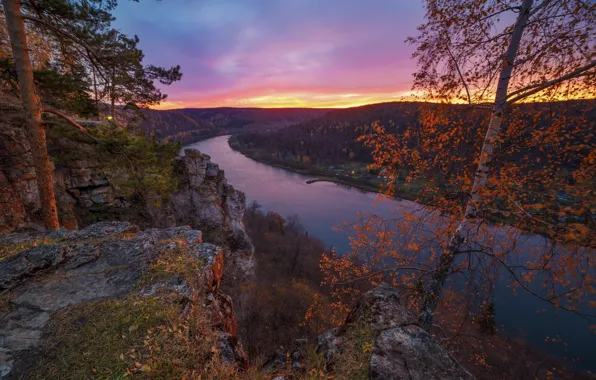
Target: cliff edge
[114, 296]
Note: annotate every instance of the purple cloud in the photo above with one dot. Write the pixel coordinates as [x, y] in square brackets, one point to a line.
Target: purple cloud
[234, 50]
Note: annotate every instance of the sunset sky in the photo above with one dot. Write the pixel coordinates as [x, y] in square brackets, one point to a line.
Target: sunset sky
[278, 53]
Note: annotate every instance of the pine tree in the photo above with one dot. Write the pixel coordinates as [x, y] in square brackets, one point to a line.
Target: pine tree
[84, 41]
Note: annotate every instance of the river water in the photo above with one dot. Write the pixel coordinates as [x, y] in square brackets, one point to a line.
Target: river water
[321, 206]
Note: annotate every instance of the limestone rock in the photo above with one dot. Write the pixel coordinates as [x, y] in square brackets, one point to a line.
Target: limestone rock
[212, 257]
[102, 261]
[299, 354]
[401, 348]
[203, 200]
[230, 351]
[276, 362]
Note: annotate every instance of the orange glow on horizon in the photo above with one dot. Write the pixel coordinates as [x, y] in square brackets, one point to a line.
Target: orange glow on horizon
[333, 100]
[292, 100]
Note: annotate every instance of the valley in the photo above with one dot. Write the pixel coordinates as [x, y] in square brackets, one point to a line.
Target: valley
[194, 124]
[306, 190]
[323, 206]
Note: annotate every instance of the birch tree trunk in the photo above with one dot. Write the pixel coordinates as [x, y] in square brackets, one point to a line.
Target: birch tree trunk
[432, 295]
[32, 107]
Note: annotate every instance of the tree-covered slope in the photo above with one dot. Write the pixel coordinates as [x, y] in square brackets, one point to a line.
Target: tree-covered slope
[193, 124]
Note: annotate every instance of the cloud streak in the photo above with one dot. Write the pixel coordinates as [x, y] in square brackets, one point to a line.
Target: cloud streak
[272, 53]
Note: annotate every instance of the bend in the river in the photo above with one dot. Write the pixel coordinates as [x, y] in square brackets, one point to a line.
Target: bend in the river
[322, 206]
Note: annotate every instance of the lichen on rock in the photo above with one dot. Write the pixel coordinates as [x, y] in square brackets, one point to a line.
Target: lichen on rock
[401, 349]
[106, 261]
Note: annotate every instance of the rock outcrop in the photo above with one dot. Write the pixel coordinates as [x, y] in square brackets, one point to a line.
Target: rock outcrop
[401, 349]
[203, 200]
[78, 180]
[103, 261]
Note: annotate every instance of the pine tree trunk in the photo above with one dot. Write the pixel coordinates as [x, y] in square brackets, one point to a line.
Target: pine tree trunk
[96, 96]
[113, 108]
[32, 107]
[433, 293]
[113, 95]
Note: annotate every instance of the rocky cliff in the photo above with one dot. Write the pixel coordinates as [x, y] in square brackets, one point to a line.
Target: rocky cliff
[87, 193]
[58, 286]
[42, 274]
[113, 299]
[204, 200]
[379, 340]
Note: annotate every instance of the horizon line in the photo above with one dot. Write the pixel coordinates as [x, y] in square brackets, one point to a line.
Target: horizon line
[339, 107]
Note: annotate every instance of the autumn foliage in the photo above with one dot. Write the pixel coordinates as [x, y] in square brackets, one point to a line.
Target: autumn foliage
[491, 171]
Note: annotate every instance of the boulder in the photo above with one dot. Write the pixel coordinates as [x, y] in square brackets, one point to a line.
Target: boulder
[401, 348]
[275, 362]
[231, 352]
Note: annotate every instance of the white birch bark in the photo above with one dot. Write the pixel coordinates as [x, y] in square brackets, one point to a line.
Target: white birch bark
[448, 257]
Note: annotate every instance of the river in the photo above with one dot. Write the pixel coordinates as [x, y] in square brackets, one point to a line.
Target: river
[321, 206]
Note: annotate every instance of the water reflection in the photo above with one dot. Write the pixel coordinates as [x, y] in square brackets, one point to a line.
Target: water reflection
[322, 206]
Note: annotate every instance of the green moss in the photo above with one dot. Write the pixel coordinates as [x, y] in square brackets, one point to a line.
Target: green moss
[139, 167]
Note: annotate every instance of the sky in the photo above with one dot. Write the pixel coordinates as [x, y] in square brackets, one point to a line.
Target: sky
[278, 53]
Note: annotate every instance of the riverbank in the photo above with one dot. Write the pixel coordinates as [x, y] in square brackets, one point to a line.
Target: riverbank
[323, 207]
[372, 185]
[404, 190]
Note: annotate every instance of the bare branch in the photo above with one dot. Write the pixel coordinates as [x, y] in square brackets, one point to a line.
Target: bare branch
[499, 12]
[71, 122]
[373, 274]
[527, 214]
[463, 81]
[533, 89]
[539, 7]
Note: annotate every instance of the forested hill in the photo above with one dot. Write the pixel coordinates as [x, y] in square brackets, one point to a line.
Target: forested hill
[193, 124]
[332, 138]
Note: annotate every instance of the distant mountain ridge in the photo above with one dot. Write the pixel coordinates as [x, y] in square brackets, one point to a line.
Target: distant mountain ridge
[193, 124]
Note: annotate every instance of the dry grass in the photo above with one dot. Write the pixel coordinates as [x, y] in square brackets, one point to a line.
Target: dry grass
[351, 363]
[5, 302]
[166, 336]
[10, 250]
